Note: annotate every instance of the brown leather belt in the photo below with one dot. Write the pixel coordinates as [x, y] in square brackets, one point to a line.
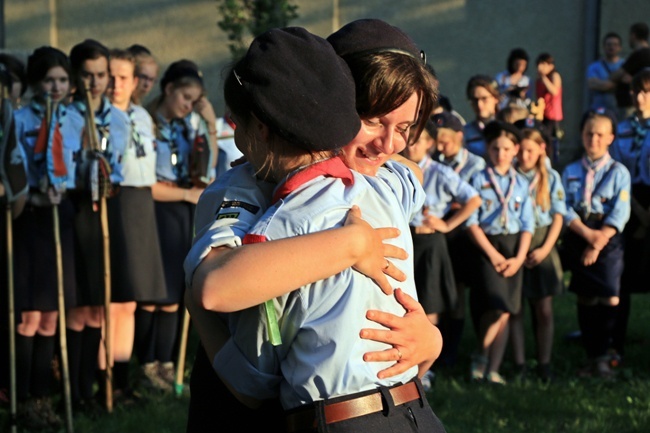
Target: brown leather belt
[360, 406]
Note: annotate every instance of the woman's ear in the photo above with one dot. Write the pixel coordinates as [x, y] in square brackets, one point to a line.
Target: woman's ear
[169, 88]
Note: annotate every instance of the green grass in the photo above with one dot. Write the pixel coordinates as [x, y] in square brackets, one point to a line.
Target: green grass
[568, 404]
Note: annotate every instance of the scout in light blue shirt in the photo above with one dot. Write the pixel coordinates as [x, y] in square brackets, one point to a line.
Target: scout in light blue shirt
[632, 148]
[173, 145]
[610, 195]
[443, 187]
[544, 218]
[491, 217]
[448, 132]
[27, 125]
[139, 161]
[465, 163]
[112, 126]
[321, 358]
[473, 137]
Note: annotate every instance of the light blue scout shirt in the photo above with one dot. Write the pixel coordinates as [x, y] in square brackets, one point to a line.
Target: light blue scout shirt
[139, 160]
[112, 127]
[226, 211]
[322, 354]
[173, 146]
[465, 163]
[544, 218]
[626, 150]
[443, 187]
[602, 69]
[610, 197]
[27, 125]
[490, 216]
[473, 138]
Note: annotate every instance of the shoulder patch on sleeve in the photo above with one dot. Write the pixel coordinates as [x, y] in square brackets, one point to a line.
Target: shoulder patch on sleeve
[560, 194]
[625, 195]
[234, 215]
[238, 203]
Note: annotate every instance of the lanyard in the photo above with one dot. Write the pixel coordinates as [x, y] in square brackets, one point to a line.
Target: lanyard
[589, 179]
[503, 199]
[136, 140]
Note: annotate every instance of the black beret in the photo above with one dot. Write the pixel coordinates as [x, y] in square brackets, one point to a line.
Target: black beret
[368, 36]
[532, 123]
[180, 69]
[494, 129]
[447, 120]
[300, 88]
[601, 111]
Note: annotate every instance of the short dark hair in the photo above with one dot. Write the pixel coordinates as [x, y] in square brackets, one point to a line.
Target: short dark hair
[612, 35]
[516, 54]
[640, 31]
[136, 49]
[16, 69]
[641, 81]
[42, 60]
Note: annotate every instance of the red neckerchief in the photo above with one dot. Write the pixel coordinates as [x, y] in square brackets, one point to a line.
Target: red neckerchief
[331, 167]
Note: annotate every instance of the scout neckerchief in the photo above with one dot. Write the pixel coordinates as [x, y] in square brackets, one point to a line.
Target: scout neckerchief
[136, 140]
[459, 164]
[640, 128]
[503, 199]
[167, 132]
[533, 179]
[589, 179]
[102, 124]
[49, 144]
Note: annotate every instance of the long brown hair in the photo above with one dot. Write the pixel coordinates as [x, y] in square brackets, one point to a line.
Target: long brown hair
[543, 195]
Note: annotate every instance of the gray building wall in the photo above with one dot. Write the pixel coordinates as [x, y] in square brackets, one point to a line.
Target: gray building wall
[461, 37]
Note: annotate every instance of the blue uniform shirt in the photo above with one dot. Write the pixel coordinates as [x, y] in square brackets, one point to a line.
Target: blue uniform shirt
[465, 163]
[443, 187]
[27, 126]
[634, 157]
[544, 218]
[173, 147]
[519, 209]
[473, 138]
[601, 69]
[322, 355]
[139, 160]
[610, 198]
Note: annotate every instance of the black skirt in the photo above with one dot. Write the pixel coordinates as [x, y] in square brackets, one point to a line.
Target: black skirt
[603, 278]
[489, 289]
[544, 279]
[36, 280]
[174, 220]
[136, 261]
[434, 273]
[89, 251]
[458, 245]
[637, 247]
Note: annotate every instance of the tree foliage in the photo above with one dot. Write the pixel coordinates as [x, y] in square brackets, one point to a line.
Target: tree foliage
[245, 19]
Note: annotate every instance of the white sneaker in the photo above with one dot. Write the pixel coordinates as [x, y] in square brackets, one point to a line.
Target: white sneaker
[427, 380]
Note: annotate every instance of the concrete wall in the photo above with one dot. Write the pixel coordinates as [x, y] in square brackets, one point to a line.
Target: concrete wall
[461, 37]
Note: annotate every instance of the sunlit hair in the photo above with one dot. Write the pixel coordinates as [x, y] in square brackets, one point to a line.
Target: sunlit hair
[482, 81]
[512, 113]
[89, 49]
[278, 150]
[182, 73]
[543, 196]
[386, 80]
[120, 54]
[641, 81]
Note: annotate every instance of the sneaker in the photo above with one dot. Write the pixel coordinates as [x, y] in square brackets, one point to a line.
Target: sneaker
[167, 372]
[150, 379]
[427, 380]
[496, 378]
[478, 367]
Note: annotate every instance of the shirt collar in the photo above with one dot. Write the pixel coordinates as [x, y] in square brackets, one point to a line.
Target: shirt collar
[331, 167]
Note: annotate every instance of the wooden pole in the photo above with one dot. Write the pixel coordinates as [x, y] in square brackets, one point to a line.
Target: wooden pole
[108, 334]
[182, 351]
[12, 322]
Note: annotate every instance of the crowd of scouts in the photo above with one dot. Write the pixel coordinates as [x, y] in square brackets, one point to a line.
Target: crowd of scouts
[496, 218]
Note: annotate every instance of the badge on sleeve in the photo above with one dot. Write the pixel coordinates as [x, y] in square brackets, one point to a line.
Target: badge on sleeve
[625, 195]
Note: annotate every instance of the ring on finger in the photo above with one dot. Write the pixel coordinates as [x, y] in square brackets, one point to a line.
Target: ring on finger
[387, 265]
[399, 354]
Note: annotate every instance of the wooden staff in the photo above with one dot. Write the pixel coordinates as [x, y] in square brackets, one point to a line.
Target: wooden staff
[63, 342]
[182, 350]
[92, 138]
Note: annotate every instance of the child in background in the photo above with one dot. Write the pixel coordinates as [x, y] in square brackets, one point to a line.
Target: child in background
[483, 95]
[598, 207]
[542, 268]
[502, 229]
[549, 88]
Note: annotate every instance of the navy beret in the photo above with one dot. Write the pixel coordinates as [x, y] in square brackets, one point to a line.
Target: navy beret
[368, 36]
[300, 88]
[494, 129]
[532, 123]
[447, 120]
[601, 111]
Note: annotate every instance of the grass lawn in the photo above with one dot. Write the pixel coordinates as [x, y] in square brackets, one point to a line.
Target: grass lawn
[569, 404]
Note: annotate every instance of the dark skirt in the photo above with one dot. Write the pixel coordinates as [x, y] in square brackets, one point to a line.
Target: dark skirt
[136, 262]
[489, 289]
[434, 273]
[210, 400]
[603, 278]
[36, 280]
[174, 220]
[544, 279]
[89, 251]
[636, 273]
[459, 246]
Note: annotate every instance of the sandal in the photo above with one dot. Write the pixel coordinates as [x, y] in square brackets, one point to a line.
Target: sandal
[496, 378]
